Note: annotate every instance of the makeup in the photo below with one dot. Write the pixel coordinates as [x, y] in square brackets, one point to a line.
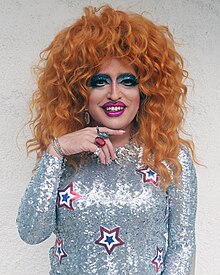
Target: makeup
[114, 96]
[114, 109]
[99, 80]
[127, 79]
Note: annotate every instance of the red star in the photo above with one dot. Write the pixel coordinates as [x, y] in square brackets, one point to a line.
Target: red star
[59, 251]
[109, 238]
[158, 260]
[67, 196]
[149, 175]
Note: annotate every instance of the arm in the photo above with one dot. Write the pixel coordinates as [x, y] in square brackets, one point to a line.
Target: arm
[181, 222]
[37, 212]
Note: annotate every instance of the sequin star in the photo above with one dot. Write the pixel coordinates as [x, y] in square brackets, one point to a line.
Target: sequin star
[67, 196]
[59, 251]
[149, 175]
[109, 238]
[158, 260]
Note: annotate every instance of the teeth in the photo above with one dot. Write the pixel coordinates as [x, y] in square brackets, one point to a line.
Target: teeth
[114, 109]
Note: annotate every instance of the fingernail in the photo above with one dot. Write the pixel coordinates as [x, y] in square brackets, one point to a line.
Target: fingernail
[121, 131]
[113, 157]
[109, 162]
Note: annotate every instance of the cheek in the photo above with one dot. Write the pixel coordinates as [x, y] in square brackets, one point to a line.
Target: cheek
[95, 100]
[136, 100]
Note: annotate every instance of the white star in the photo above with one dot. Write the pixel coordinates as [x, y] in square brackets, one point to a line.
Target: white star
[67, 196]
[109, 238]
[149, 175]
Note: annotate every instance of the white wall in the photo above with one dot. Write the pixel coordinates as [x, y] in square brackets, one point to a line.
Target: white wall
[26, 27]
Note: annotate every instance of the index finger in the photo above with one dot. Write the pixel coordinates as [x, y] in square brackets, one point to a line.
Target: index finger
[111, 131]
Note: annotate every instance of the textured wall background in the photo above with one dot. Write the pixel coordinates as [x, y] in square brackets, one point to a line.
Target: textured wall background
[26, 27]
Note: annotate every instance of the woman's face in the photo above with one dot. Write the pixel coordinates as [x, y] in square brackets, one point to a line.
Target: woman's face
[114, 95]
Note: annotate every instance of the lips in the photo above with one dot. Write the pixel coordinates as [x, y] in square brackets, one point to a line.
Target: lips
[114, 109]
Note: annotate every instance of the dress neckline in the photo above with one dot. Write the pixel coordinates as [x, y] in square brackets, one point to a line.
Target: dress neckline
[131, 152]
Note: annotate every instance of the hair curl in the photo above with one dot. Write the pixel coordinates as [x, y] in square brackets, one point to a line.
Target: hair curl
[78, 51]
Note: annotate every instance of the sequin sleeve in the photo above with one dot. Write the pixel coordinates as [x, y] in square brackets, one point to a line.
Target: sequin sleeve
[37, 211]
[181, 222]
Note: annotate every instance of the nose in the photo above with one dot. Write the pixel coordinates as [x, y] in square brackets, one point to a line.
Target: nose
[114, 92]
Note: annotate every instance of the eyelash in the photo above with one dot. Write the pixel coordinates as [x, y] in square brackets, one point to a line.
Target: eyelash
[129, 82]
[99, 82]
[96, 79]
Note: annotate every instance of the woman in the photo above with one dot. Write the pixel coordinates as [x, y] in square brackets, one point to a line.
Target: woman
[114, 181]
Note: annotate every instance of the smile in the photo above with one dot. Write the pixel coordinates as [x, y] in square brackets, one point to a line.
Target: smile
[114, 109]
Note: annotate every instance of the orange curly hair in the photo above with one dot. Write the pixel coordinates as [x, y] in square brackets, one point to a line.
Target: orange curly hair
[78, 52]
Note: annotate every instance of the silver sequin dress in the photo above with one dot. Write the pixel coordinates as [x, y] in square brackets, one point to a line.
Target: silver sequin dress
[111, 220]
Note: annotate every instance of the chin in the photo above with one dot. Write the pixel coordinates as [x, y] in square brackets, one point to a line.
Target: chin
[117, 126]
[113, 123]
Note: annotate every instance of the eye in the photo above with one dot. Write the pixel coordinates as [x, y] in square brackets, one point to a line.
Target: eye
[99, 80]
[127, 80]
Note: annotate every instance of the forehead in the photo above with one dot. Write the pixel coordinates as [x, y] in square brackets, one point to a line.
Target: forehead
[115, 67]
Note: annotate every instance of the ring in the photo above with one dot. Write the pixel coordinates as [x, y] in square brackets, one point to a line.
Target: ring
[97, 151]
[99, 141]
[103, 135]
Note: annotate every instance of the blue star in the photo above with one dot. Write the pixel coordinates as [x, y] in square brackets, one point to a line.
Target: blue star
[58, 250]
[65, 197]
[109, 239]
[151, 173]
[159, 258]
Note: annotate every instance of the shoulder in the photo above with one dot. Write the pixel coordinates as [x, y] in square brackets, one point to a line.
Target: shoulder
[185, 160]
[188, 175]
[184, 155]
[187, 179]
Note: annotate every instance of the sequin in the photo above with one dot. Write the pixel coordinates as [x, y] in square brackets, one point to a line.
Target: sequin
[112, 197]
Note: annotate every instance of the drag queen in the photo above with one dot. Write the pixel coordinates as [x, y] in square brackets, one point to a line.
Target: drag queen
[114, 179]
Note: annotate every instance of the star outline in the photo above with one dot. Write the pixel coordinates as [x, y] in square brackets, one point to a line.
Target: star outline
[159, 256]
[73, 196]
[59, 251]
[114, 233]
[149, 175]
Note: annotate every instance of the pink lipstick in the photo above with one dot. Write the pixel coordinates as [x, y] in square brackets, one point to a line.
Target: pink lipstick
[114, 109]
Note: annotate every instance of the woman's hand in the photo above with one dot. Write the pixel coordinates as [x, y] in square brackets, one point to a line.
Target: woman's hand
[84, 141]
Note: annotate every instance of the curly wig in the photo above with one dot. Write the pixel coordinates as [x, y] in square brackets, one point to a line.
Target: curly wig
[78, 52]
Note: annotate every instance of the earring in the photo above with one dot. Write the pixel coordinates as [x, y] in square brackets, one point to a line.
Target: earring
[87, 116]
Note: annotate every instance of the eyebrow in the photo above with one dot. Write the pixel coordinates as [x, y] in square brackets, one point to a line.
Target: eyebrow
[101, 75]
[104, 75]
[127, 75]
